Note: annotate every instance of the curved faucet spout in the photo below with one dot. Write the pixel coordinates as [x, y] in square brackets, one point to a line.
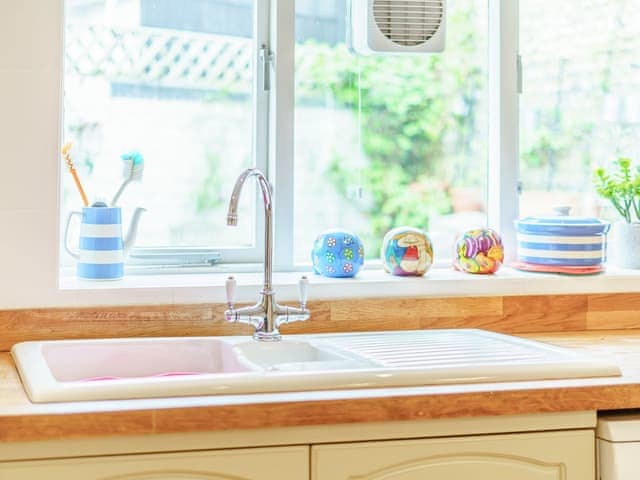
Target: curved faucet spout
[266, 316]
[232, 217]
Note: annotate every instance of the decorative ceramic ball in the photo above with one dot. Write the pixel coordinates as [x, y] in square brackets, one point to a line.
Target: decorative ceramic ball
[478, 251]
[337, 253]
[406, 251]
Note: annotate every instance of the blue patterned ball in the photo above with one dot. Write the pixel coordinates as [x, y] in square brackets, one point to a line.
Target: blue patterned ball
[337, 253]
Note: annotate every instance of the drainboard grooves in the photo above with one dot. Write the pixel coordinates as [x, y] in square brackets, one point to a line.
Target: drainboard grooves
[433, 348]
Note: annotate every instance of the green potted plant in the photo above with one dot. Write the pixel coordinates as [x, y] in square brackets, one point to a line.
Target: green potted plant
[621, 186]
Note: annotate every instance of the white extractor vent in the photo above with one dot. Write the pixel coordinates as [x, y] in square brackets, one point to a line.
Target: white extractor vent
[398, 26]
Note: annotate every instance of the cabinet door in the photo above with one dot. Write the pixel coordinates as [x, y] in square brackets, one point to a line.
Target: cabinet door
[287, 463]
[526, 456]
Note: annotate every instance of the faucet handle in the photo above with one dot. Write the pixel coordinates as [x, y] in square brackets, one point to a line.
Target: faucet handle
[230, 286]
[303, 286]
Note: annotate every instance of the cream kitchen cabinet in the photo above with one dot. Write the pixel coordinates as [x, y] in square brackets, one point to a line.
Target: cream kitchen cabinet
[517, 447]
[523, 456]
[286, 463]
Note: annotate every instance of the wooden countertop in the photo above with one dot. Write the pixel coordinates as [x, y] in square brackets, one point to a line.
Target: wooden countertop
[21, 420]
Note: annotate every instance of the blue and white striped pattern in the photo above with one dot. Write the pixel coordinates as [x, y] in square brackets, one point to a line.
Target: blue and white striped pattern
[101, 245]
[562, 226]
[562, 241]
[565, 251]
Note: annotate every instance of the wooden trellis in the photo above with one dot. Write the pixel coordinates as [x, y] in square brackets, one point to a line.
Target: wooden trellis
[157, 58]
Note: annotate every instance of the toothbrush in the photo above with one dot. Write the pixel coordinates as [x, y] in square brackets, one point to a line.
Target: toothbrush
[132, 171]
[67, 158]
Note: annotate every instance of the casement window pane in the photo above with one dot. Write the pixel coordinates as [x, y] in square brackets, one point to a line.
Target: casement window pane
[385, 141]
[580, 108]
[173, 81]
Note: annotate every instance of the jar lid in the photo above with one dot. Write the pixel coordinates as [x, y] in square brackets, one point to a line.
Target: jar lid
[562, 224]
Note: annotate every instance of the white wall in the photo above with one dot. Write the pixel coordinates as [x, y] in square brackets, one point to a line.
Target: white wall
[30, 64]
[30, 110]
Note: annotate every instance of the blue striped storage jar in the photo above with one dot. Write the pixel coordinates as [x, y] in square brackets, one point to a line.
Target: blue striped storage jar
[562, 241]
[101, 245]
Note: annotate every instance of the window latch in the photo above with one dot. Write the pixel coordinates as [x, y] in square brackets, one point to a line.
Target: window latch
[519, 72]
[265, 57]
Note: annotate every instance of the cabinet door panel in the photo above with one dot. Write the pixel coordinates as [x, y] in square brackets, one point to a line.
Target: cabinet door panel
[467, 466]
[287, 463]
[535, 456]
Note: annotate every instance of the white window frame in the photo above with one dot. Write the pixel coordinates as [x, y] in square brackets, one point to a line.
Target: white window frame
[260, 123]
[281, 129]
[504, 150]
[260, 152]
[503, 155]
[273, 128]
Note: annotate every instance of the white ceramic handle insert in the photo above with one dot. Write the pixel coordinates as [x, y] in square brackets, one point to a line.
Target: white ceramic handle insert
[303, 287]
[230, 286]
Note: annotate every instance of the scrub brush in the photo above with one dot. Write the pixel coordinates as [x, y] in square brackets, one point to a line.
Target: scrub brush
[67, 158]
[132, 171]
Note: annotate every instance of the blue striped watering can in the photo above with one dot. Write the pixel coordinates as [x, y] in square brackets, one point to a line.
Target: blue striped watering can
[102, 249]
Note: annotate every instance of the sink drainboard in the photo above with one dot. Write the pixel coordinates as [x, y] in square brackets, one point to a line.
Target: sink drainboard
[435, 348]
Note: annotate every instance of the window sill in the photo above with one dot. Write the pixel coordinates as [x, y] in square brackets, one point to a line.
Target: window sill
[439, 282]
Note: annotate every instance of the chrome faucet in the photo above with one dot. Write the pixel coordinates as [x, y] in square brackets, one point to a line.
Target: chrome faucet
[266, 316]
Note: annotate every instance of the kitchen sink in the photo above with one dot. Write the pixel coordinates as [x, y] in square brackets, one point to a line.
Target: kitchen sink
[114, 359]
[70, 370]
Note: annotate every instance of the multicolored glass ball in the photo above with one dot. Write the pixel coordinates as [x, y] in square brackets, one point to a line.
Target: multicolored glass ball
[478, 251]
[406, 251]
[337, 253]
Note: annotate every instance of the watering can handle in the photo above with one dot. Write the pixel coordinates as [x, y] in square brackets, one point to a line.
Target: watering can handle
[66, 234]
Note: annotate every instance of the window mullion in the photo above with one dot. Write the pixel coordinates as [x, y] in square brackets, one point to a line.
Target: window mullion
[254, 253]
[260, 116]
[261, 108]
[281, 127]
[503, 120]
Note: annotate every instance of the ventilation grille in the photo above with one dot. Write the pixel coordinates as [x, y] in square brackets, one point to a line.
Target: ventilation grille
[408, 22]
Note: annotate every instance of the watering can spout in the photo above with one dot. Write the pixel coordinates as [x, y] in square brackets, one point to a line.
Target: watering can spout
[132, 232]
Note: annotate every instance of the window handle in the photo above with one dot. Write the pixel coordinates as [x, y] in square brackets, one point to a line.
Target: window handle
[519, 72]
[265, 56]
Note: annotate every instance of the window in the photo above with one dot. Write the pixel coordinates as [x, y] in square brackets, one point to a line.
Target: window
[148, 76]
[580, 107]
[385, 141]
[373, 142]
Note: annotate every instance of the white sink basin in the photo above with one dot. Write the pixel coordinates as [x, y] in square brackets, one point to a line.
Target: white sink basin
[163, 367]
[113, 359]
[298, 356]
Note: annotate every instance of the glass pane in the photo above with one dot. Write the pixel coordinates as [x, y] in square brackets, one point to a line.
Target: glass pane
[580, 108]
[385, 141]
[173, 81]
